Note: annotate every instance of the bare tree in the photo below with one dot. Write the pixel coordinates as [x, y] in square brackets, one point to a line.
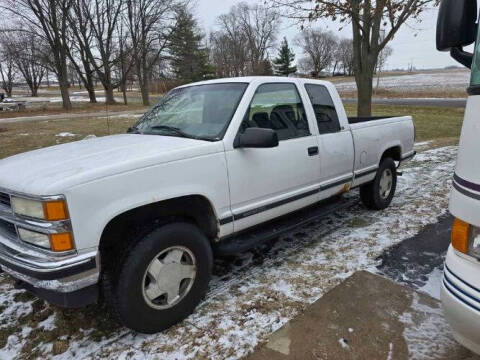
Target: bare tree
[344, 54]
[149, 23]
[48, 20]
[319, 48]
[7, 66]
[382, 60]
[27, 51]
[81, 40]
[126, 60]
[244, 37]
[229, 47]
[102, 16]
[260, 25]
[368, 18]
[383, 57]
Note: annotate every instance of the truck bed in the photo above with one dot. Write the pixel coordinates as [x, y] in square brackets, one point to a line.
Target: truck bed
[372, 136]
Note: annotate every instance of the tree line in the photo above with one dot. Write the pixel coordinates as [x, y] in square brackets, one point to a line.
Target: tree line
[121, 42]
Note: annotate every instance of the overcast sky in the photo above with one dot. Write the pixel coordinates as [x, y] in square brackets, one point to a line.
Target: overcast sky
[414, 43]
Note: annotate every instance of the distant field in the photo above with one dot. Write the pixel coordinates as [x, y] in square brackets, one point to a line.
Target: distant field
[429, 83]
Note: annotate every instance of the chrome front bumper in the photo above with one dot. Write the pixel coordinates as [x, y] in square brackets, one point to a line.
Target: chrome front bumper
[61, 274]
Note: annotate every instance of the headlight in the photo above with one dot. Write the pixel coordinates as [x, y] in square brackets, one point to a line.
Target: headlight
[474, 242]
[46, 210]
[466, 238]
[27, 207]
[34, 238]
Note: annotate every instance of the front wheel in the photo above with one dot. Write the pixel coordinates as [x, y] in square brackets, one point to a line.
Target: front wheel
[378, 194]
[163, 278]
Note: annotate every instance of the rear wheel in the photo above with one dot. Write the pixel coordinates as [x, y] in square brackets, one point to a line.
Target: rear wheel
[162, 278]
[378, 194]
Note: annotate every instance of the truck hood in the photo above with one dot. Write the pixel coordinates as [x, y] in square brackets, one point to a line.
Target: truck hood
[51, 170]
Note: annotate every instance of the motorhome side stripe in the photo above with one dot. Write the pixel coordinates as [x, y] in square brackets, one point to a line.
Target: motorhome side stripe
[466, 192]
[450, 272]
[282, 202]
[465, 183]
[447, 287]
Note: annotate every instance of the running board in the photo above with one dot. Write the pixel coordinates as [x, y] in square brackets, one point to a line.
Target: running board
[250, 238]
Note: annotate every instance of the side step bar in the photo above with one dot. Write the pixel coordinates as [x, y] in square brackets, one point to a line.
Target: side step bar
[250, 238]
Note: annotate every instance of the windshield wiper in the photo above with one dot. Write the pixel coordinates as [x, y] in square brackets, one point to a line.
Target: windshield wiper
[179, 132]
[133, 130]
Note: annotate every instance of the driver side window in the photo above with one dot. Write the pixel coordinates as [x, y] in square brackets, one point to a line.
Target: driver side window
[277, 106]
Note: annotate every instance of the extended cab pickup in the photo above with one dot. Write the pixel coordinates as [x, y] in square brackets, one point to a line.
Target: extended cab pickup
[135, 217]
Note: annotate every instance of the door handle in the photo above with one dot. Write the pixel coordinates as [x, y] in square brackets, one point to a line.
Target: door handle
[312, 151]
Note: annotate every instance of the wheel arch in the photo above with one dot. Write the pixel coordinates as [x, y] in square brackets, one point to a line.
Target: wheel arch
[194, 208]
[392, 151]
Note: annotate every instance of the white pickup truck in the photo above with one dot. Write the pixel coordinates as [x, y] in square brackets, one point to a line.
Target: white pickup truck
[136, 218]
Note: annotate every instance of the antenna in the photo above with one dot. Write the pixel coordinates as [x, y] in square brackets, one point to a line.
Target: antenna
[108, 116]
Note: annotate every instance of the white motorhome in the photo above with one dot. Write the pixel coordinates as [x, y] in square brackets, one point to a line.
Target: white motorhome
[457, 27]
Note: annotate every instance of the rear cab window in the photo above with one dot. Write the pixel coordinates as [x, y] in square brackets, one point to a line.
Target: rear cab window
[277, 106]
[324, 109]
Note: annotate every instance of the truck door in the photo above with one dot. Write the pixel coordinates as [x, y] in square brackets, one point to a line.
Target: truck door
[335, 143]
[267, 183]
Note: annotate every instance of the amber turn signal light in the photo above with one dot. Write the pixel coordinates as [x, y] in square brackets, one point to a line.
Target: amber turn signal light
[55, 210]
[61, 242]
[460, 234]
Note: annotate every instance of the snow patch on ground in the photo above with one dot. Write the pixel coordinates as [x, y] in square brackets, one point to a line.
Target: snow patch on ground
[254, 294]
[343, 343]
[426, 329]
[78, 99]
[432, 286]
[65, 134]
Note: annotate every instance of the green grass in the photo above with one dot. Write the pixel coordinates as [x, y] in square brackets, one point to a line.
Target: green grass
[432, 123]
[30, 135]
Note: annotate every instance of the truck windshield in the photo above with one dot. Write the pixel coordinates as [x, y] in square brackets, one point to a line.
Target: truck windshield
[198, 111]
[475, 80]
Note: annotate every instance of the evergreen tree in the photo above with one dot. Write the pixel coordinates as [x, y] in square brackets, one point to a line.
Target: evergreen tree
[188, 57]
[283, 64]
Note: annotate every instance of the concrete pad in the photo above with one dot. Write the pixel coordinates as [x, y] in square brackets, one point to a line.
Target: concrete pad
[366, 317]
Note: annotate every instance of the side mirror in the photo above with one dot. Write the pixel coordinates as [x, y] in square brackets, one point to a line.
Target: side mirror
[456, 27]
[257, 138]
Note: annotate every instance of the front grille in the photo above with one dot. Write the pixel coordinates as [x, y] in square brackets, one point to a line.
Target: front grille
[7, 229]
[5, 199]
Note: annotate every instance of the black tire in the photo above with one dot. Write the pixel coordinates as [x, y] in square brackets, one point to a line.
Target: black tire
[126, 288]
[370, 193]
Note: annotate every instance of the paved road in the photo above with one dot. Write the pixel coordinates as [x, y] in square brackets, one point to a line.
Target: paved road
[454, 102]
